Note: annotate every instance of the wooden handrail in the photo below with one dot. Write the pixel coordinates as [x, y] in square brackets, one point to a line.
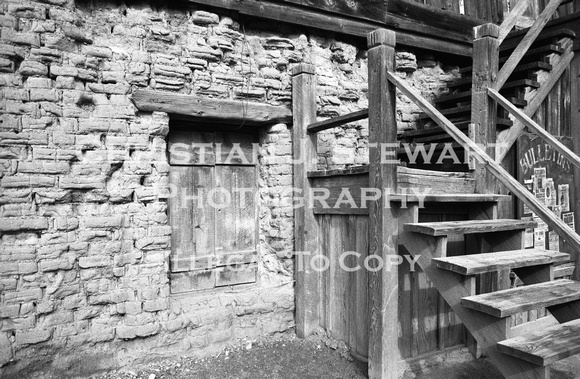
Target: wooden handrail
[490, 164]
[512, 18]
[508, 137]
[338, 121]
[525, 44]
[534, 127]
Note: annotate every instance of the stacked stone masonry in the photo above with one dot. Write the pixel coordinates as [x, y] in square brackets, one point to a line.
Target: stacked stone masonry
[84, 234]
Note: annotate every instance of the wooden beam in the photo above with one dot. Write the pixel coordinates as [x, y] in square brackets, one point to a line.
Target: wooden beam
[308, 288]
[431, 39]
[384, 351]
[200, 107]
[483, 110]
[575, 120]
[444, 19]
[338, 121]
[495, 168]
[534, 127]
[512, 18]
[507, 138]
[517, 55]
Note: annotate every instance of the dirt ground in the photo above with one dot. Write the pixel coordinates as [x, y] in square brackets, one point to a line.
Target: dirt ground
[287, 357]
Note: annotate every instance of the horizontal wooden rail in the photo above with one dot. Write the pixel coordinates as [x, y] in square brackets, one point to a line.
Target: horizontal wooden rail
[534, 127]
[512, 18]
[338, 121]
[507, 138]
[490, 164]
[517, 55]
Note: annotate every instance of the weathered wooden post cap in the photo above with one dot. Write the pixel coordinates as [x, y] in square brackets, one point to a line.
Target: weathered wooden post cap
[303, 68]
[381, 37]
[486, 30]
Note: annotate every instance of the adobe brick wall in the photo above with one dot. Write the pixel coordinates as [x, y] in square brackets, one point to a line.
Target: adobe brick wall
[84, 237]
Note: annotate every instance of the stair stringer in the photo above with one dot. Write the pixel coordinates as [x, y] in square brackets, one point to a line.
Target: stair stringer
[487, 330]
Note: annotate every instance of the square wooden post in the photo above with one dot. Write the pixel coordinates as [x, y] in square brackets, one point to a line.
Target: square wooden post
[384, 352]
[483, 108]
[306, 229]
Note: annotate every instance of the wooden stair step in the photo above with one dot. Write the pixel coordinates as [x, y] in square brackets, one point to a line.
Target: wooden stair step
[490, 262]
[535, 65]
[466, 96]
[533, 53]
[451, 198]
[431, 131]
[521, 83]
[468, 227]
[545, 346]
[512, 41]
[526, 298]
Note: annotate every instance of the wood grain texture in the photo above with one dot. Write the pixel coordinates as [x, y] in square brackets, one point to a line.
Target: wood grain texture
[483, 110]
[507, 138]
[383, 225]
[338, 121]
[535, 128]
[480, 263]
[512, 18]
[545, 346]
[306, 228]
[509, 302]
[486, 329]
[200, 107]
[425, 37]
[467, 227]
[499, 172]
[575, 120]
[525, 44]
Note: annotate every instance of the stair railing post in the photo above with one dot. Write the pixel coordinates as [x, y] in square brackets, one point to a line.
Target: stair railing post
[484, 109]
[383, 225]
[306, 229]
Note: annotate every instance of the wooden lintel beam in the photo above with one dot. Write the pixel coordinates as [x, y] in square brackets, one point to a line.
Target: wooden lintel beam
[435, 39]
[199, 107]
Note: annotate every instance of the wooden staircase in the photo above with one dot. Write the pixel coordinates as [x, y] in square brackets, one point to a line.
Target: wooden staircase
[515, 351]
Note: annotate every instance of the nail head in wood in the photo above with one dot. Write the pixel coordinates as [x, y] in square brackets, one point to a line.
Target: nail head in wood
[486, 30]
[381, 37]
[303, 68]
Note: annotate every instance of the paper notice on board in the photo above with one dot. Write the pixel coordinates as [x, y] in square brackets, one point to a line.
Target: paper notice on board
[557, 211]
[539, 176]
[553, 241]
[541, 195]
[550, 190]
[564, 197]
[539, 239]
[568, 218]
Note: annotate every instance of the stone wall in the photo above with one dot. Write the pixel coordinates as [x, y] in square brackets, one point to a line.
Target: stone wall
[84, 236]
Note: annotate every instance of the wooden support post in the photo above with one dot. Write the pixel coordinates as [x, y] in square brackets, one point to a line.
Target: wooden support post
[306, 228]
[483, 109]
[383, 230]
[575, 122]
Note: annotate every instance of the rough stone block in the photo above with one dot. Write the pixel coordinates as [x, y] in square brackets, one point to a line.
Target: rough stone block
[76, 182]
[63, 71]
[32, 68]
[43, 167]
[23, 295]
[24, 138]
[155, 305]
[5, 349]
[130, 332]
[19, 224]
[27, 10]
[95, 261]
[30, 39]
[9, 311]
[97, 51]
[33, 337]
[114, 222]
[57, 264]
[27, 181]
[118, 89]
[43, 95]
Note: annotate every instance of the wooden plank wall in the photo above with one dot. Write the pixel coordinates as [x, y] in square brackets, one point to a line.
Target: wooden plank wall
[495, 10]
[427, 322]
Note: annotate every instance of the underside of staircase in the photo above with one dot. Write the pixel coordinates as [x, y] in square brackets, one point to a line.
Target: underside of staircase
[515, 71]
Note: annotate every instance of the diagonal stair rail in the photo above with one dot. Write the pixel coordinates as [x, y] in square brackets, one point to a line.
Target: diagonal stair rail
[534, 127]
[508, 137]
[512, 18]
[489, 163]
[517, 55]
